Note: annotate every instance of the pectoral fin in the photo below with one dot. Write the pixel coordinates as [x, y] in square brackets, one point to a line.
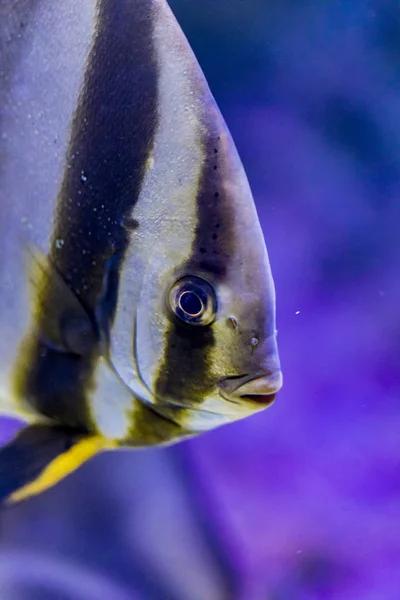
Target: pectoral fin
[39, 456]
[64, 324]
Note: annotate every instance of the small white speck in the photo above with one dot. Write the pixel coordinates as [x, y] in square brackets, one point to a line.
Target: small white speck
[59, 243]
[297, 312]
[254, 341]
[83, 177]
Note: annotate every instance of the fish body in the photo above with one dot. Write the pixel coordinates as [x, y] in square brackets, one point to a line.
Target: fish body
[137, 305]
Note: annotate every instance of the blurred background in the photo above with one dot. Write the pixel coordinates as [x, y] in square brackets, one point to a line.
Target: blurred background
[301, 502]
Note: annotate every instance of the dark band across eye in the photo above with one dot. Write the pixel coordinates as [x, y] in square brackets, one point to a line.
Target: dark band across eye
[193, 301]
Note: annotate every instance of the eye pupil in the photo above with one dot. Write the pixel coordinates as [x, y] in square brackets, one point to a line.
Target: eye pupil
[191, 304]
[193, 301]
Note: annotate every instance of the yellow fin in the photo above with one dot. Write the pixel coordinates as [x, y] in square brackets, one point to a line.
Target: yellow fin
[40, 456]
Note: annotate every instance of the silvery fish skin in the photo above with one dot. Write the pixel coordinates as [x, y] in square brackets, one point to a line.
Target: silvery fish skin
[137, 301]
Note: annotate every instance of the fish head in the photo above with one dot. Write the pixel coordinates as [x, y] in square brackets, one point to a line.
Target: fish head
[205, 333]
[194, 334]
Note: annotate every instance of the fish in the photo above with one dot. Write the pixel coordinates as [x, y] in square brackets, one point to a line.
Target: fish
[137, 303]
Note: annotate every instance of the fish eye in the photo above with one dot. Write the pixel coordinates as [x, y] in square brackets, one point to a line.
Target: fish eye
[193, 301]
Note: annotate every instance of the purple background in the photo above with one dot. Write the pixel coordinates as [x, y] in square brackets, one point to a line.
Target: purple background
[301, 502]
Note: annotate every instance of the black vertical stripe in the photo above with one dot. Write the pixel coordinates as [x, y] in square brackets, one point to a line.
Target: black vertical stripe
[112, 137]
[111, 140]
[185, 373]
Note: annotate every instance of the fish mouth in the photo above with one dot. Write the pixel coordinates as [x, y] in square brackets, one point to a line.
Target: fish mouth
[264, 399]
[260, 389]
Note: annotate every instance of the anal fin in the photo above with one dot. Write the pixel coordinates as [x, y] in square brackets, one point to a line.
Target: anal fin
[41, 455]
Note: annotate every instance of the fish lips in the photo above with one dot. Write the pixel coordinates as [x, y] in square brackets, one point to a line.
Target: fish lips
[259, 390]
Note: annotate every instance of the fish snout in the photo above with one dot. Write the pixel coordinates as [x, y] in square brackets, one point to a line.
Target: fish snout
[261, 388]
